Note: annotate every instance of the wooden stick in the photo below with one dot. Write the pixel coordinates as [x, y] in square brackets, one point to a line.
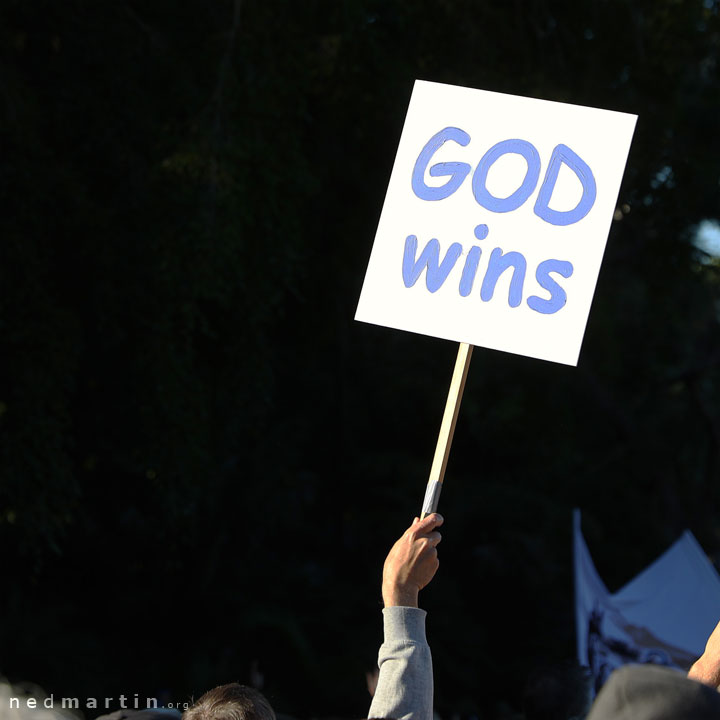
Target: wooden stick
[447, 429]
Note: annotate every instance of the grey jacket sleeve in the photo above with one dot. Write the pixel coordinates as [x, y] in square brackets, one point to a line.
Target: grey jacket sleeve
[405, 684]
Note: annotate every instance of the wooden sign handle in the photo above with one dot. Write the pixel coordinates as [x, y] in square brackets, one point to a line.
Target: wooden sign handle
[447, 429]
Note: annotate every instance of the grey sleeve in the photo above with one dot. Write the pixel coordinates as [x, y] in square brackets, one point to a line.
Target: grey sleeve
[405, 684]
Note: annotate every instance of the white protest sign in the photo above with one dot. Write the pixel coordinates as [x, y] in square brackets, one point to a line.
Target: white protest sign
[495, 220]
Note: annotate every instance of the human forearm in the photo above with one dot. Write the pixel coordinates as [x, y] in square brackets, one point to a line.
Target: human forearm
[706, 670]
[396, 595]
[405, 683]
[707, 667]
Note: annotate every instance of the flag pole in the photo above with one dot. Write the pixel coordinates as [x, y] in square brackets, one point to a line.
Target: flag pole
[447, 429]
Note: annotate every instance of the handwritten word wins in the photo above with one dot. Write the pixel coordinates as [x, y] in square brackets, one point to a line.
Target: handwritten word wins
[437, 272]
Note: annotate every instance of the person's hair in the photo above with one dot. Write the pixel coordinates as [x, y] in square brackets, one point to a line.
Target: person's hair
[231, 702]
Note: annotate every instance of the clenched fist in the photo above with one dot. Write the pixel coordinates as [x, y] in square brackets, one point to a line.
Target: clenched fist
[412, 562]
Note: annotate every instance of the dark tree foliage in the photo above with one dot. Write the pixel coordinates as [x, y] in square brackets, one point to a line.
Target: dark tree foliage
[203, 459]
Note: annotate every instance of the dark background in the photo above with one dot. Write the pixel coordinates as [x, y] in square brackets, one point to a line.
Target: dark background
[204, 459]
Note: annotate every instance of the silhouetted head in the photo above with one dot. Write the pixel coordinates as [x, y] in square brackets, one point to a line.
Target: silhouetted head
[556, 692]
[651, 692]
